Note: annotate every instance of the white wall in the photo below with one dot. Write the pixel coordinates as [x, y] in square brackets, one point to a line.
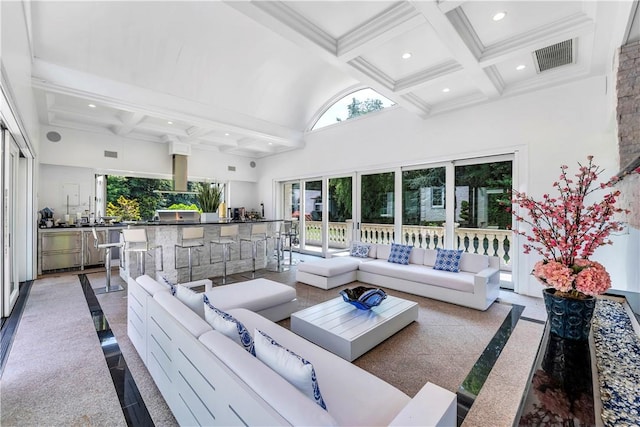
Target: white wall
[560, 125]
[51, 189]
[15, 56]
[150, 159]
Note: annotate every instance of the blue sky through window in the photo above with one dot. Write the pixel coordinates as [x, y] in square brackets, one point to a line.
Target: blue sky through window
[339, 109]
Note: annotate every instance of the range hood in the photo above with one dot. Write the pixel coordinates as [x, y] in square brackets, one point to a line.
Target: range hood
[180, 173]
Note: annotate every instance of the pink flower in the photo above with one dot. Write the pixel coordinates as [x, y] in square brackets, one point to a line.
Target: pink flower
[593, 279]
[565, 231]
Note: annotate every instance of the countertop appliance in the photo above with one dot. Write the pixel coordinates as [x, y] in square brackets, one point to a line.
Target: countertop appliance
[171, 216]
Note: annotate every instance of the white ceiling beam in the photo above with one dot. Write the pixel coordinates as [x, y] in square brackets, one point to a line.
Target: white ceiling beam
[451, 38]
[130, 120]
[53, 78]
[448, 5]
[399, 19]
[423, 77]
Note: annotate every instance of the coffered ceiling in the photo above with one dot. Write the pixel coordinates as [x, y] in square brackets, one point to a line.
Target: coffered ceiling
[250, 77]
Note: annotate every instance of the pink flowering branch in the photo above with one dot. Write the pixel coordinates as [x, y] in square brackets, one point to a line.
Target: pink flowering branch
[564, 230]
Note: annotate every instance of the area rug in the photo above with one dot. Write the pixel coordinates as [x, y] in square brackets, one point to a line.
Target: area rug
[440, 347]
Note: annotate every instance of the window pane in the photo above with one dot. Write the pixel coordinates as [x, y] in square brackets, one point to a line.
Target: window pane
[353, 105]
[133, 198]
[482, 194]
[377, 201]
[423, 207]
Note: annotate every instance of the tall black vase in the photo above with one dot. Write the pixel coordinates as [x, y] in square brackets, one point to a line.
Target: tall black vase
[568, 317]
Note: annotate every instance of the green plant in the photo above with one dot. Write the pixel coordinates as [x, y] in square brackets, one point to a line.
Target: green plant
[183, 207]
[209, 196]
[126, 210]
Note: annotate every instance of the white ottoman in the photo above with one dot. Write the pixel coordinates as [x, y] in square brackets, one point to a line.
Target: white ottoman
[273, 300]
[328, 273]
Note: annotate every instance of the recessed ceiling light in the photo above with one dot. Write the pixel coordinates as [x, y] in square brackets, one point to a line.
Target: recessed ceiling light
[169, 123]
[92, 106]
[521, 67]
[406, 55]
[446, 89]
[271, 143]
[226, 134]
[499, 16]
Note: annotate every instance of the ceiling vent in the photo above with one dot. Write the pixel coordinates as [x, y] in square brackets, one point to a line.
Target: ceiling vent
[111, 154]
[554, 56]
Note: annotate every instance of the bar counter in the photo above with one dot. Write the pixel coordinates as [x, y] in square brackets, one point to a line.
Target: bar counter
[165, 260]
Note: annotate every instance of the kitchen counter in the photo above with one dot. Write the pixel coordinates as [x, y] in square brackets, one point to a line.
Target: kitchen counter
[165, 260]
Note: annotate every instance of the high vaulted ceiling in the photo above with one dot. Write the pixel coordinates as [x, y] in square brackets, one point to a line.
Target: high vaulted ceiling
[250, 77]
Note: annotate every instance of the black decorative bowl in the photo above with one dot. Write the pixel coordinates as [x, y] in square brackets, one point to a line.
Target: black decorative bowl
[362, 297]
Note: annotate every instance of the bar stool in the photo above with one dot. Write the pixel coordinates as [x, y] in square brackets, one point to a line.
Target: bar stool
[291, 234]
[277, 233]
[107, 262]
[228, 236]
[258, 234]
[135, 240]
[192, 237]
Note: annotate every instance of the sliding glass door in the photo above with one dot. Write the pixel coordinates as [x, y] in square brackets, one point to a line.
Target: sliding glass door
[377, 207]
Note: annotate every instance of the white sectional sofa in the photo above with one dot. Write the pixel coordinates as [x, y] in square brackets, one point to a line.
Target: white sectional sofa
[207, 379]
[476, 285]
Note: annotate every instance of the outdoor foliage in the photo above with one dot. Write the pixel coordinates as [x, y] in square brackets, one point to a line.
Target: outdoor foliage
[183, 207]
[360, 108]
[125, 209]
[144, 191]
[340, 193]
[377, 198]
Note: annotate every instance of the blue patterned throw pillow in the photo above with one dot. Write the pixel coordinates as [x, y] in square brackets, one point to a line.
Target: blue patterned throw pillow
[448, 260]
[170, 285]
[400, 254]
[360, 250]
[228, 325]
[298, 371]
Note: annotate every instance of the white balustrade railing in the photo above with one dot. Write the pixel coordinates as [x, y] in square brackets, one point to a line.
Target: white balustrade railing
[486, 241]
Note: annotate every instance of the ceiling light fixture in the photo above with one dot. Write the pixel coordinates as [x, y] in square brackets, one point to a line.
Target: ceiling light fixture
[92, 106]
[446, 89]
[499, 16]
[226, 134]
[169, 123]
[521, 67]
[406, 55]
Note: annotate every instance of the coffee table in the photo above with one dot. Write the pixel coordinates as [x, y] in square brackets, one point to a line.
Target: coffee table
[348, 332]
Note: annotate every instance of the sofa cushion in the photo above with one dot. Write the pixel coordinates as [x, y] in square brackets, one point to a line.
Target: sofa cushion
[191, 299]
[448, 260]
[383, 251]
[462, 281]
[151, 286]
[399, 254]
[359, 250]
[347, 386]
[255, 295]
[417, 256]
[473, 263]
[330, 267]
[183, 314]
[295, 369]
[229, 326]
[430, 257]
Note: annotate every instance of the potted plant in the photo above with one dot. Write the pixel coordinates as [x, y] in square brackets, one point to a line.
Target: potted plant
[566, 232]
[209, 196]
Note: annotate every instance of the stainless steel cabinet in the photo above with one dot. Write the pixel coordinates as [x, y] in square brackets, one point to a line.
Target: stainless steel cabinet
[60, 250]
[93, 255]
[72, 248]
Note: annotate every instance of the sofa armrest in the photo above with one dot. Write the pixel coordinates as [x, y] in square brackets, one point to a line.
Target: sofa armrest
[487, 276]
[432, 406]
[207, 283]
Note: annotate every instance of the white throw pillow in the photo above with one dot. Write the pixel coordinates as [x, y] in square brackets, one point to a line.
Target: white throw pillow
[191, 299]
[228, 325]
[293, 368]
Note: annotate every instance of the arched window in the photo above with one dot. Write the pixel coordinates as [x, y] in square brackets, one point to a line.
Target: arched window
[355, 104]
